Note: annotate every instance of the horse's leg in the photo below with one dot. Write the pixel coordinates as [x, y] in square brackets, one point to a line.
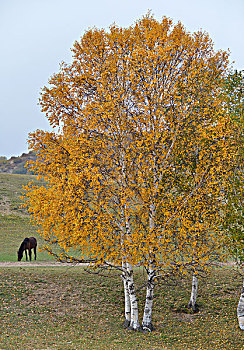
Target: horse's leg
[30, 253]
[35, 252]
[26, 258]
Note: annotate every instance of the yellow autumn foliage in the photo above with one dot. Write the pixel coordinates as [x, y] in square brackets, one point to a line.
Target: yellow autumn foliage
[136, 169]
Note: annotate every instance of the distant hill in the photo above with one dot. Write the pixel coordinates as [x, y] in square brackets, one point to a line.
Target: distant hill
[16, 165]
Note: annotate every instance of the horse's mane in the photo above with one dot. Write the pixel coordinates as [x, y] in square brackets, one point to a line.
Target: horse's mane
[22, 246]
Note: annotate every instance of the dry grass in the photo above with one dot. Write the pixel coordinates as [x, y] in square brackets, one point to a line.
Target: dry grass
[66, 308]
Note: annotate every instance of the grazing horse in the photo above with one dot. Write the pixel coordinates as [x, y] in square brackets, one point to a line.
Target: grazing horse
[27, 244]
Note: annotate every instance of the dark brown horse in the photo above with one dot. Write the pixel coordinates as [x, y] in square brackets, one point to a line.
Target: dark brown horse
[27, 244]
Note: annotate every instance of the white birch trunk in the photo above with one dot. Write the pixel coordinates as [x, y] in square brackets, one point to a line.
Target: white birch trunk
[147, 315]
[127, 297]
[131, 307]
[134, 322]
[240, 309]
[193, 299]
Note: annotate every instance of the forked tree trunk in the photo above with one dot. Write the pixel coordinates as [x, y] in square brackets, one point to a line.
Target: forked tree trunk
[193, 299]
[147, 315]
[240, 309]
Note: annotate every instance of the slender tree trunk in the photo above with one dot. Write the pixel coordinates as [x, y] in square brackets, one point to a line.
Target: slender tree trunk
[147, 315]
[240, 309]
[193, 299]
[134, 322]
[127, 297]
[131, 305]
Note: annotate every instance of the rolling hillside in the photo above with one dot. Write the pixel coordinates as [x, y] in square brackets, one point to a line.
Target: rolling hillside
[16, 165]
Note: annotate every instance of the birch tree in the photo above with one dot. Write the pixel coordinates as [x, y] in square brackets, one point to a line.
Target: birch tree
[142, 144]
[180, 95]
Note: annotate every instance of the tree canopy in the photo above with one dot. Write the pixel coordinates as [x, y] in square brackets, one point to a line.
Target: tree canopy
[135, 173]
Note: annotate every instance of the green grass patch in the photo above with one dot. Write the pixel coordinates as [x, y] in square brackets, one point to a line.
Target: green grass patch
[14, 221]
[65, 308]
[11, 187]
[13, 230]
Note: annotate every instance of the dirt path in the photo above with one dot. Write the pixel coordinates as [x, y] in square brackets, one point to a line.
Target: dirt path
[55, 264]
[36, 264]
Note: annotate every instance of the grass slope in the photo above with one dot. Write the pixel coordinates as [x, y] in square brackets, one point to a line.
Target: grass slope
[14, 221]
[67, 309]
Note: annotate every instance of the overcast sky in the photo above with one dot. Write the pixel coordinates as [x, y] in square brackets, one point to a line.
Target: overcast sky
[36, 35]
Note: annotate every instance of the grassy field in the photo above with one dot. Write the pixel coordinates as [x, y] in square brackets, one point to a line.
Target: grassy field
[14, 221]
[65, 308]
